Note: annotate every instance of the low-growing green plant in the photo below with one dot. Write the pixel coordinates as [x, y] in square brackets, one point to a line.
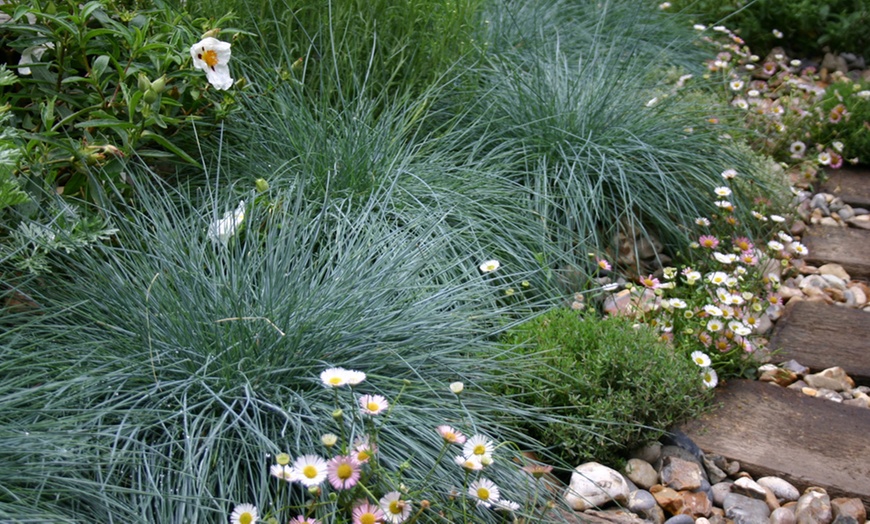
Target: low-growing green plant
[717, 306]
[849, 103]
[804, 27]
[613, 374]
[98, 83]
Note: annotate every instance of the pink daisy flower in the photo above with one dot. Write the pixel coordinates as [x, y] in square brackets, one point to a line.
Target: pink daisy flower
[705, 339]
[650, 282]
[343, 471]
[748, 258]
[603, 264]
[301, 519]
[742, 243]
[363, 450]
[451, 435]
[708, 241]
[367, 513]
[722, 344]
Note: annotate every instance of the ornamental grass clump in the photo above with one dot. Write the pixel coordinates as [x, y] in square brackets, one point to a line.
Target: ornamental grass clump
[154, 378]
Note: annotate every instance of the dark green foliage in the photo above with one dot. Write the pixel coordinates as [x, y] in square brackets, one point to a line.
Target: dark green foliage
[852, 129]
[619, 379]
[807, 25]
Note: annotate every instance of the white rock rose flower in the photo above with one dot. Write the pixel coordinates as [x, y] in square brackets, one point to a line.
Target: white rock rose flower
[213, 56]
[224, 228]
[32, 55]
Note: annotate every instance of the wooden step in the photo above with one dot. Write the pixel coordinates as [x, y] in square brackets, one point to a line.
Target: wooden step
[820, 336]
[848, 247]
[850, 184]
[776, 431]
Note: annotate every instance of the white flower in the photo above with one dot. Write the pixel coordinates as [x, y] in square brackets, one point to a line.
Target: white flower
[665, 5]
[677, 303]
[334, 377]
[777, 33]
[838, 146]
[485, 491]
[712, 310]
[213, 56]
[373, 404]
[505, 504]
[472, 463]
[863, 94]
[489, 266]
[32, 55]
[824, 158]
[709, 377]
[717, 278]
[224, 228]
[309, 470]
[799, 249]
[244, 514]
[728, 174]
[457, 387]
[777, 218]
[742, 330]
[702, 221]
[354, 378]
[784, 236]
[714, 325]
[722, 191]
[282, 472]
[700, 358]
[699, 27]
[795, 63]
[652, 101]
[736, 85]
[775, 246]
[395, 509]
[725, 258]
[478, 446]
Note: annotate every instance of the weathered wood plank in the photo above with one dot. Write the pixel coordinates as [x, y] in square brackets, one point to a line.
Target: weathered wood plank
[820, 336]
[850, 184]
[848, 247]
[777, 431]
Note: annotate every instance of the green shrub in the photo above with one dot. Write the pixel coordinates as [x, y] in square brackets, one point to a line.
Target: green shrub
[853, 99]
[618, 378]
[807, 26]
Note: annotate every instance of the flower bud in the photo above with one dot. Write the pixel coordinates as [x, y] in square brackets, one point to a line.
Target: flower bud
[457, 387]
[338, 415]
[150, 96]
[159, 85]
[211, 33]
[144, 83]
[282, 459]
[261, 185]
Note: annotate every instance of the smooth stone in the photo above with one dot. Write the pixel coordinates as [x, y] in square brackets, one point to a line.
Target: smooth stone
[641, 473]
[696, 503]
[835, 270]
[593, 484]
[719, 491]
[814, 507]
[844, 519]
[855, 296]
[846, 212]
[861, 222]
[656, 515]
[783, 489]
[782, 516]
[745, 510]
[649, 453]
[640, 501]
[681, 519]
[748, 487]
[862, 401]
[668, 498]
[779, 376]
[793, 365]
[616, 516]
[681, 474]
[850, 507]
[834, 378]
[815, 281]
[714, 472]
[820, 202]
[835, 281]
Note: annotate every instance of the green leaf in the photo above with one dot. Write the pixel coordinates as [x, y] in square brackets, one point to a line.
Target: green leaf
[104, 122]
[170, 146]
[100, 66]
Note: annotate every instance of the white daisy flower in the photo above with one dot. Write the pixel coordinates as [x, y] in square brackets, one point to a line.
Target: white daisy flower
[485, 491]
[728, 174]
[309, 470]
[709, 377]
[712, 310]
[225, 227]
[775, 246]
[244, 514]
[722, 191]
[489, 266]
[334, 377]
[701, 359]
[714, 325]
[373, 404]
[478, 446]
[677, 303]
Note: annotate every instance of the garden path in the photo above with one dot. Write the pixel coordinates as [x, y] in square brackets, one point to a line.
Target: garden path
[781, 432]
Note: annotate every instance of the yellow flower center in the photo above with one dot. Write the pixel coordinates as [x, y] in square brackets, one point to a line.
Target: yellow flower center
[209, 56]
[309, 471]
[368, 518]
[363, 456]
[335, 381]
[450, 436]
[483, 493]
[344, 471]
[480, 449]
[246, 518]
[373, 406]
[396, 507]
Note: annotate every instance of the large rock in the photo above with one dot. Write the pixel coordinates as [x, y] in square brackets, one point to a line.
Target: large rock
[814, 507]
[849, 507]
[641, 473]
[593, 485]
[783, 490]
[834, 378]
[782, 516]
[745, 510]
[681, 474]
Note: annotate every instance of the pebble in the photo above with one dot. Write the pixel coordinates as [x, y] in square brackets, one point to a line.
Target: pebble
[783, 490]
[814, 507]
[593, 484]
[641, 473]
[746, 510]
